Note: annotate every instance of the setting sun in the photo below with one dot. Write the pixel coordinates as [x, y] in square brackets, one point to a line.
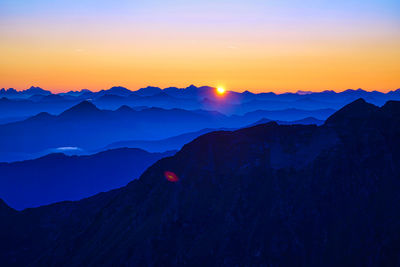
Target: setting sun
[221, 90]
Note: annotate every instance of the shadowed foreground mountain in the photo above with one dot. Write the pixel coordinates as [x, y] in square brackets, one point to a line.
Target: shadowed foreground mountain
[269, 195]
[57, 177]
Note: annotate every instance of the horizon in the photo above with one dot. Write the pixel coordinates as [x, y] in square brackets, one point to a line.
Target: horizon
[185, 87]
[258, 46]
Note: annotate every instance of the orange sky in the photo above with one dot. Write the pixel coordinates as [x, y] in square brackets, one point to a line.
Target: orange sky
[254, 46]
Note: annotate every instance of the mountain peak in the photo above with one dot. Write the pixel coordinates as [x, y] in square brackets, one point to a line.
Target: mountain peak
[85, 107]
[40, 116]
[191, 87]
[148, 91]
[119, 89]
[352, 113]
[33, 90]
[125, 108]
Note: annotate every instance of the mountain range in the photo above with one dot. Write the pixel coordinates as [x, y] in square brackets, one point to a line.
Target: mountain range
[177, 142]
[266, 195]
[87, 128]
[35, 100]
[58, 177]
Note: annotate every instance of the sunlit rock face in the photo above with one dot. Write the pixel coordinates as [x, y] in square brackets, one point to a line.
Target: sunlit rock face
[264, 196]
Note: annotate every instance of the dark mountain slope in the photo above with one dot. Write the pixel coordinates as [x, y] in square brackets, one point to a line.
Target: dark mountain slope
[263, 196]
[58, 177]
[5, 210]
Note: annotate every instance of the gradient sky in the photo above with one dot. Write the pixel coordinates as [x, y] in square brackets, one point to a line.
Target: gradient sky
[281, 46]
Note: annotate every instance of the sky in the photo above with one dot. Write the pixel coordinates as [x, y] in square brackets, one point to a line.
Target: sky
[269, 45]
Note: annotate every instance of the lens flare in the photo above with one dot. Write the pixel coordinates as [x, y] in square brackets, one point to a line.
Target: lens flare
[171, 177]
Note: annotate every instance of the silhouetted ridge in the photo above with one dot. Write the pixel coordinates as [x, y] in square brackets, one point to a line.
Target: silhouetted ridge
[125, 108]
[354, 113]
[5, 210]
[392, 107]
[40, 116]
[148, 91]
[83, 108]
[37, 91]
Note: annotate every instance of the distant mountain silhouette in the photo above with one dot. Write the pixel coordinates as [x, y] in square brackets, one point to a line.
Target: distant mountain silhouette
[148, 91]
[11, 92]
[57, 177]
[84, 108]
[189, 98]
[268, 195]
[286, 114]
[176, 142]
[305, 121]
[89, 128]
[171, 143]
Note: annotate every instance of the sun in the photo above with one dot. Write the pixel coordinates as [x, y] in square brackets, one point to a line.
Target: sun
[221, 90]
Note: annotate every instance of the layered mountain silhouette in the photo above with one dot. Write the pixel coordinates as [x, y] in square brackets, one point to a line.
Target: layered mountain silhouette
[34, 100]
[177, 142]
[266, 195]
[89, 128]
[171, 143]
[57, 177]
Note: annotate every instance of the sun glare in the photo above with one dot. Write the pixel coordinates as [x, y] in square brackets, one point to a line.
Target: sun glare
[221, 90]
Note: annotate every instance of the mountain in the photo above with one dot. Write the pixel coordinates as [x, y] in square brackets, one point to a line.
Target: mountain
[267, 195]
[85, 108]
[36, 91]
[86, 127]
[177, 142]
[57, 177]
[12, 93]
[189, 98]
[116, 90]
[148, 91]
[286, 114]
[305, 121]
[20, 107]
[171, 143]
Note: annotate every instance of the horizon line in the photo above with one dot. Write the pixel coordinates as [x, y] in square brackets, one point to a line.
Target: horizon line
[384, 91]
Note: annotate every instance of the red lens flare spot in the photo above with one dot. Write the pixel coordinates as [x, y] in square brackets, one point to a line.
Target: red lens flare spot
[171, 177]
